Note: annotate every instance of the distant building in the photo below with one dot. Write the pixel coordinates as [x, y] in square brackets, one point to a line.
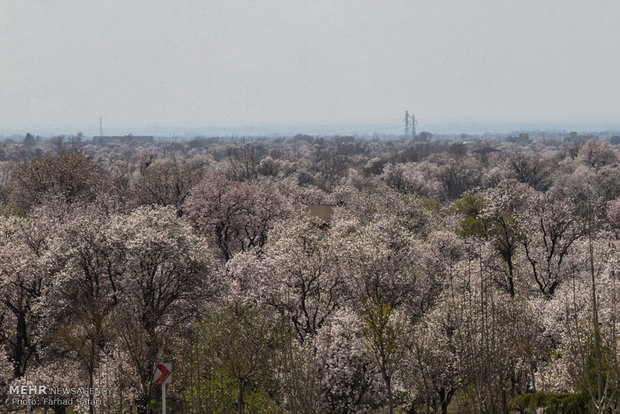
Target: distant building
[125, 139]
[321, 211]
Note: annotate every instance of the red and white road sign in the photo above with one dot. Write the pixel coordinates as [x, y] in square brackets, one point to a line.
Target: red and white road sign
[163, 373]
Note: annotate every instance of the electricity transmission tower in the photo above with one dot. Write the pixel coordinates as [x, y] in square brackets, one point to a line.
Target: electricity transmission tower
[407, 124]
[410, 125]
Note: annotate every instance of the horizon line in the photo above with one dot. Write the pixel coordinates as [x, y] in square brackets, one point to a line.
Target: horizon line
[445, 126]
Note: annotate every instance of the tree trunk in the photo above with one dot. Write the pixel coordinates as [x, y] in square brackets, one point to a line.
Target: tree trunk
[445, 396]
[388, 384]
[240, 402]
[20, 346]
[91, 374]
[511, 284]
[143, 405]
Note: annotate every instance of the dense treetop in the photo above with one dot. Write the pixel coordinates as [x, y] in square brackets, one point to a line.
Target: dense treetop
[475, 275]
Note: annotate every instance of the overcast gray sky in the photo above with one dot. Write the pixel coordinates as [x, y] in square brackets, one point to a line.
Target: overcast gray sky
[323, 62]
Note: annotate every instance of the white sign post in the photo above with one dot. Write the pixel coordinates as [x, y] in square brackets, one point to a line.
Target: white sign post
[163, 376]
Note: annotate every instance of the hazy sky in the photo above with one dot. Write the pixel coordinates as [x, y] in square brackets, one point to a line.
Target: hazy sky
[276, 62]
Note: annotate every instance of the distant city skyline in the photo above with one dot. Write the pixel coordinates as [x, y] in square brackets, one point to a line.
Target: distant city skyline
[277, 65]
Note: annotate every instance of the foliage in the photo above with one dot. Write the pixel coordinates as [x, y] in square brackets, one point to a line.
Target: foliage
[236, 215]
[449, 276]
[470, 205]
[384, 330]
[72, 175]
[231, 352]
[552, 403]
[586, 398]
